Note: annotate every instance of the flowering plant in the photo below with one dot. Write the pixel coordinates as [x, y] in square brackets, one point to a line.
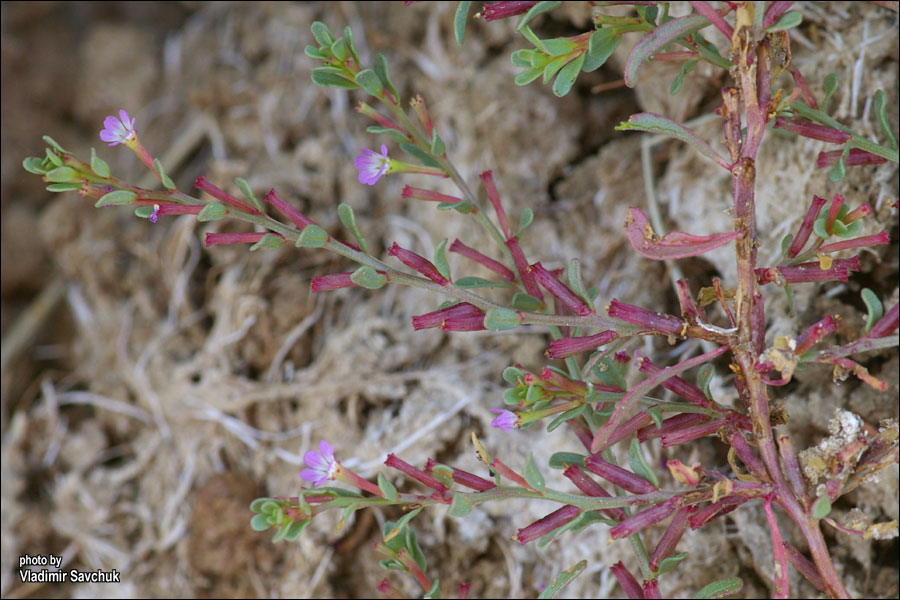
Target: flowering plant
[593, 396]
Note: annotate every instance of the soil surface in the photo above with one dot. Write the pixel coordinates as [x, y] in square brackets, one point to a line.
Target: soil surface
[152, 388]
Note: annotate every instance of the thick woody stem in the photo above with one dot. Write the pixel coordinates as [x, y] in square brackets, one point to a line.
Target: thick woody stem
[753, 61]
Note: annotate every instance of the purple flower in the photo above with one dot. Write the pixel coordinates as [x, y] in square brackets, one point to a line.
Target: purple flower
[372, 165]
[507, 421]
[154, 216]
[118, 130]
[322, 465]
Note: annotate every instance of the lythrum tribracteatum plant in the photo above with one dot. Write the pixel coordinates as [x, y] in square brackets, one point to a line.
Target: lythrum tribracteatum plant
[589, 392]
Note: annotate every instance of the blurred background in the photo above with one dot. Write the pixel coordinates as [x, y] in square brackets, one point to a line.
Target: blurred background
[152, 388]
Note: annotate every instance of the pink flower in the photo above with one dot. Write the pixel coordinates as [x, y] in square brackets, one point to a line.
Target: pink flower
[507, 421]
[372, 165]
[321, 465]
[118, 130]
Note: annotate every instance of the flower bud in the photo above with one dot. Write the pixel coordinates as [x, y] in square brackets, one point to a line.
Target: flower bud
[419, 263]
[545, 525]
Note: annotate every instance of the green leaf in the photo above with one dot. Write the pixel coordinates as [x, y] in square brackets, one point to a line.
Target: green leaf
[415, 551]
[348, 219]
[647, 13]
[819, 227]
[830, 86]
[874, 307]
[270, 241]
[405, 519]
[601, 46]
[656, 41]
[720, 589]
[259, 523]
[440, 259]
[553, 67]
[52, 143]
[281, 533]
[257, 505]
[367, 277]
[559, 46]
[588, 518]
[419, 154]
[563, 417]
[63, 187]
[326, 77]
[212, 212]
[838, 171]
[248, 193]
[477, 282]
[639, 464]
[118, 198]
[533, 394]
[537, 9]
[563, 460]
[529, 35]
[461, 505]
[562, 580]
[567, 76]
[370, 82]
[387, 488]
[165, 179]
[499, 319]
[513, 396]
[848, 231]
[437, 144]
[788, 20]
[143, 212]
[434, 591]
[525, 219]
[464, 207]
[526, 302]
[317, 53]
[32, 164]
[532, 474]
[397, 136]
[322, 34]
[573, 274]
[522, 58]
[389, 564]
[786, 243]
[822, 507]
[655, 413]
[443, 473]
[339, 50]
[295, 529]
[62, 175]
[667, 564]
[54, 158]
[880, 102]
[528, 75]
[512, 375]
[679, 79]
[459, 21]
[98, 165]
[653, 123]
[610, 373]
[348, 39]
[704, 377]
[546, 539]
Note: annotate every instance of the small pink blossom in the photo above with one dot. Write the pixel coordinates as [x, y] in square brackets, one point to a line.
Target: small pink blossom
[507, 421]
[321, 465]
[372, 165]
[118, 130]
